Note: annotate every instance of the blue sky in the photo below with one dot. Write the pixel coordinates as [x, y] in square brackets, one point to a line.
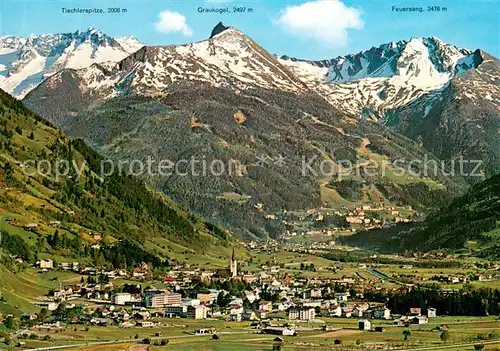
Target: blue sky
[300, 28]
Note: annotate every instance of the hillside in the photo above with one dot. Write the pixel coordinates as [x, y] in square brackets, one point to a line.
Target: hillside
[460, 121]
[471, 224]
[443, 97]
[75, 215]
[301, 130]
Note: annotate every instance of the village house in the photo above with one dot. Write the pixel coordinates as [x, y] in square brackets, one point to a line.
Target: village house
[249, 278]
[419, 320]
[364, 324]
[46, 264]
[341, 297]
[279, 331]
[236, 309]
[382, 313]
[347, 312]
[197, 312]
[122, 298]
[251, 295]
[334, 310]
[312, 303]
[431, 312]
[265, 306]
[316, 293]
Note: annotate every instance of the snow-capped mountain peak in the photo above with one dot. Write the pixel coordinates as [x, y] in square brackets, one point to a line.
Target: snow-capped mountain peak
[10, 43]
[227, 58]
[386, 76]
[130, 44]
[25, 62]
[388, 60]
[368, 83]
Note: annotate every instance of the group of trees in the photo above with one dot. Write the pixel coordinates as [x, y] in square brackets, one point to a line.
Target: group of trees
[307, 267]
[15, 245]
[364, 257]
[119, 204]
[470, 302]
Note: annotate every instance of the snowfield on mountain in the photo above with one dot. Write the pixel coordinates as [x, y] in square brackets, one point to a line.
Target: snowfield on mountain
[26, 62]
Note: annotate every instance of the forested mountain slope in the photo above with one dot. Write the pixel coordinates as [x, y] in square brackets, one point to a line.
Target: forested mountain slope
[114, 221]
[471, 222]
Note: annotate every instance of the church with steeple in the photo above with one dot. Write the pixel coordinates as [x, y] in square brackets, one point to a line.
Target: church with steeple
[233, 265]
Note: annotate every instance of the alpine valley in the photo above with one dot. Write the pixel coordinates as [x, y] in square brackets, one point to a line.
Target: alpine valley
[226, 98]
[215, 196]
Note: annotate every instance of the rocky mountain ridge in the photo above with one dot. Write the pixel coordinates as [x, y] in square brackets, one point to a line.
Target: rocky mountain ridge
[25, 62]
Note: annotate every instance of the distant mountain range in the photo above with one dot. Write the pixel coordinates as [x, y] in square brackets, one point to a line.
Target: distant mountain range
[385, 77]
[25, 62]
[227, 98]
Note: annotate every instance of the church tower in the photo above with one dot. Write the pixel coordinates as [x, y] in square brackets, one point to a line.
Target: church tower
[233, 265]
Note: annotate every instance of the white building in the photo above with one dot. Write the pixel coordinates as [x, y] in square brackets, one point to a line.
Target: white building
[160, 300]
[316, 293]
[122, 298]
[364, 324]
[251, 295]
[431, 312]
[197, 312]
[301, 313]
[335, 311]
[46, 264]
[341, 297]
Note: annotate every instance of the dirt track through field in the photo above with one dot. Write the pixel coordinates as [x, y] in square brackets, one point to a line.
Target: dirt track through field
[139, 348]
[335, 333]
